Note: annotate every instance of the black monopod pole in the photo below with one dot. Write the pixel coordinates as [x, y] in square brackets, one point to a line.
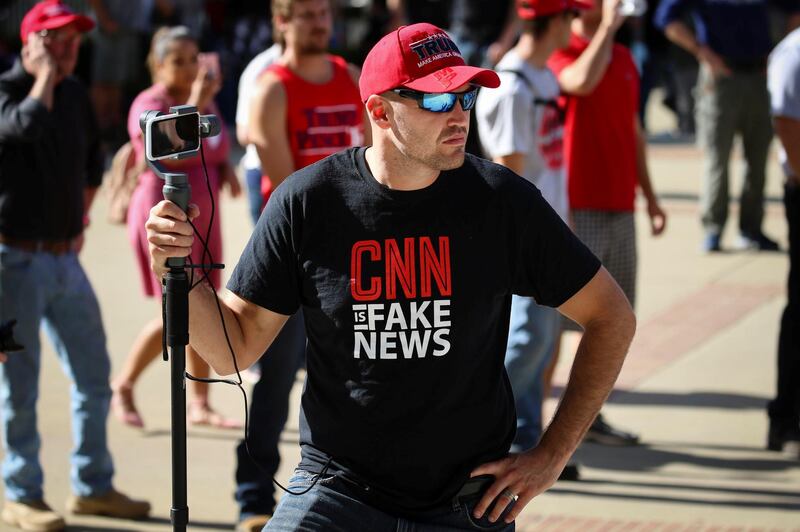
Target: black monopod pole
[176, 328]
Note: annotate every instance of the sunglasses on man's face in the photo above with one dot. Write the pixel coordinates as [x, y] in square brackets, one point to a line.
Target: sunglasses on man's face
[440, 102]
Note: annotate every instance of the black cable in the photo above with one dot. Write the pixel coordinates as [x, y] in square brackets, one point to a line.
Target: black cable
[206, 267]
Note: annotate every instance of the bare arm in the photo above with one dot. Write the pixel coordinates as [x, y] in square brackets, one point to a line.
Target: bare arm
[658, 218]
[267, 129]
[602, 310]
[677, 32]
[788, 131]
[582, 76]
[251, 328]
[514, 162]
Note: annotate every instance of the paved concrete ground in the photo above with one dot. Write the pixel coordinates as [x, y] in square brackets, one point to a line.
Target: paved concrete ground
[699, 374]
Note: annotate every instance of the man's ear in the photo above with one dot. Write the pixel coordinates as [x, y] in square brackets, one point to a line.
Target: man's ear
[379, 111]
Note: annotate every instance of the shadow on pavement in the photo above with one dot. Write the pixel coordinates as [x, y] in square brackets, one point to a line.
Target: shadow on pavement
[573, 489]
[205, 525]
[646, 458]
[693, 487]
[731, 401]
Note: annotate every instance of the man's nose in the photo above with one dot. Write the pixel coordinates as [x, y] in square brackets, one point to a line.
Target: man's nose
[458, 116]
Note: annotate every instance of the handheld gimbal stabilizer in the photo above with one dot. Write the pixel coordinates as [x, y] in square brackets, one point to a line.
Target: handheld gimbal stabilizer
[177, 135]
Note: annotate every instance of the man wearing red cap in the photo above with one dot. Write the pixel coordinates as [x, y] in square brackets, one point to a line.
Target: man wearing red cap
[404, 256]
[50, 168]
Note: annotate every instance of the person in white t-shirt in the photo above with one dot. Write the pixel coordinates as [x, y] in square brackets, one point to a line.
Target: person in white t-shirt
[520, 127]
[250, 163]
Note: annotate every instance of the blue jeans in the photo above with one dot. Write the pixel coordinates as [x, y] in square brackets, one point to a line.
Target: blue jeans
[253, 179]
[531, 338]
[54, 290]
[269, 409]
[331, 505]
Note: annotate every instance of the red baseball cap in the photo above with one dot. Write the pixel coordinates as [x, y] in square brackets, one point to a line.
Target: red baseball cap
[421, 57]
[49, 15]
[530, 9]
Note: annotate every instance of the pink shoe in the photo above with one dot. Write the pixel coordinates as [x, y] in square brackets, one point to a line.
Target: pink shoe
[123, 408]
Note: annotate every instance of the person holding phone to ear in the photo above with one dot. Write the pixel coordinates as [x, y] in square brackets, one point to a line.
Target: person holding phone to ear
[180, 76]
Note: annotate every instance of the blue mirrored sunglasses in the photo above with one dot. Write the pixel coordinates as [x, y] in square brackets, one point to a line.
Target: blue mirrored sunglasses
[440, 102]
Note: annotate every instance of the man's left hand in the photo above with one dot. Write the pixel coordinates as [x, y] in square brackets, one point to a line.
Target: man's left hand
[658, 218]
[525, 475]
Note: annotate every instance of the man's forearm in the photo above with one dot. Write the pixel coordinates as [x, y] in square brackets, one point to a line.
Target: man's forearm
[597, 364]
[207, 336]
[642, 171]
[680, 34]
[43, 87]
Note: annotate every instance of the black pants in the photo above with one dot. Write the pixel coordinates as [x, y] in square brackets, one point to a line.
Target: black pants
[785, 408]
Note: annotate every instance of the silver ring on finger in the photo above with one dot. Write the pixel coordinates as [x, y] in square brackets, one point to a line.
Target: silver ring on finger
[510, 495]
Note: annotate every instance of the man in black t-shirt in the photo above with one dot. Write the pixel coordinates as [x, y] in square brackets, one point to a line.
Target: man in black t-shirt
[404, 256]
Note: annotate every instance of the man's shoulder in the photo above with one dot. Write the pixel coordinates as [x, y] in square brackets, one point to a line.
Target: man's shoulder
[496, 176]
[328, 172]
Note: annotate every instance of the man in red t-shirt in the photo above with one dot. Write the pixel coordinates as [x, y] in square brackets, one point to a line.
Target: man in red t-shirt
[604, 148]
[305, 107]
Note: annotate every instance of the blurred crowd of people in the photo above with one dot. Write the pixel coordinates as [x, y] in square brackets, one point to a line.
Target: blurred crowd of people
[569, 116]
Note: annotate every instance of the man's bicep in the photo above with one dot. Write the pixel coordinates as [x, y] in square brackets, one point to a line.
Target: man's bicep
[599, 298]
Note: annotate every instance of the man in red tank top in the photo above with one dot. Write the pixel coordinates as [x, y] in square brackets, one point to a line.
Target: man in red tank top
[306, 106]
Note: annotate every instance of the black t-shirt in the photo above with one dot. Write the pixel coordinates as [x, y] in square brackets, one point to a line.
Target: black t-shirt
[406, 297]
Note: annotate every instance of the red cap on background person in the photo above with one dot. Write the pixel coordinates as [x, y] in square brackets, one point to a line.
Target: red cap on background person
[51, 15]
[531, 9]
[420, 57]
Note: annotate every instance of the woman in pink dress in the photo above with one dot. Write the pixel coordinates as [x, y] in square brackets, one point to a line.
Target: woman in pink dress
[178, 78]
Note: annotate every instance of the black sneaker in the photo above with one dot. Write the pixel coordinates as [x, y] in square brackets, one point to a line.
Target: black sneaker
[785, 439]
[604, 434]
[757, 242]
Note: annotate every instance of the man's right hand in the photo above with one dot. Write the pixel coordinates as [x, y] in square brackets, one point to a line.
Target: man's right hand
[611, 18]
[717, 65]
[37, 58]
[169, 234]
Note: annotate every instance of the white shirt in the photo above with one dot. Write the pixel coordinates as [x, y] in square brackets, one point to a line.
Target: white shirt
[510, 122]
